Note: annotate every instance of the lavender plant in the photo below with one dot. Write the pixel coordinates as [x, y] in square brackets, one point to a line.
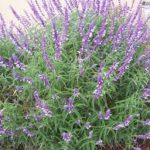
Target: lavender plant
[79, 74]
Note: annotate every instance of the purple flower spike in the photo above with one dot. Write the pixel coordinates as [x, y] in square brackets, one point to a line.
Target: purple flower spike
[57, 42]
[36, 96]
[146, 122]
[86, 39]
[98, 91]
[2, 62]
[2, 129]
[88, 125]
[76, 92]
[112, 69]
[128, 120]
[78, 122]
[19, 89]
[41, 105]
[44, 79]
[66, 137]
[107, 115]
[17, 62]
[66, 26]
[28, 133]
[137, 148]
[10, 63]
[18, 77]
[70, 105]
[100, 116]
[124, 124]
[146, 93]
[144, 136]
[45, 55]
[28, 80]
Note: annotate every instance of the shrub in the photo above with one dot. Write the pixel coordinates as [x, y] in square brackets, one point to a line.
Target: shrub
[79, 73]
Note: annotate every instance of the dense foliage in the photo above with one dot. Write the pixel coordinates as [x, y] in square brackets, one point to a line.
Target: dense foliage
[74, 76]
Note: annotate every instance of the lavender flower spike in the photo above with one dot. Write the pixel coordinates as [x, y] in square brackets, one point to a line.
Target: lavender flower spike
[28, 133]
[45, 55]
[88, 125]
[98, 91]
[57, 42]
[44, 79]
[146, 122]
[42, 106]
[124, 124]
[112, 69]
[107, 114]
[70, 105]
[66, 137]
[146, 93]
[17, 62]
[144, 136]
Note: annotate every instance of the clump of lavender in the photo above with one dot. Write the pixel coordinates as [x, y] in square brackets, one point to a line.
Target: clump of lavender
[89, 56]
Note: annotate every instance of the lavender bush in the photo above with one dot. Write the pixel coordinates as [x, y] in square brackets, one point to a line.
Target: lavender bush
[74, 76]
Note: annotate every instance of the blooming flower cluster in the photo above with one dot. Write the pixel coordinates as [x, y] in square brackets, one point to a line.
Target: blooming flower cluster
[41, 105]
[107, 115]
[123, 124]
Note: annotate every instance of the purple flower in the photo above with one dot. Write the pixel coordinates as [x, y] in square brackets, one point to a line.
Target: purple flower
[76, 92]
[28, 80]
[70, 105]
[18, 77]
[88, 125]
[28, 133]
[41, 105]
[3, 29]
[10, 64]
[146, 93]
[105, 116]
[146, 122]
[137, 148]
[98, 91]
[2, 62]
[57, 42]
[144, 136]
[122, 69]
[36, 13]
[66, 136]
[78, 122]
[65, 105]
[124, 124]
[19, 89]
[44, 79]
[58, 6]
[17, 62]
[45, 55]
[2, 129]
[100, 116]
[86, 38]
[65, 26]
[112, 69]
[99, 142]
